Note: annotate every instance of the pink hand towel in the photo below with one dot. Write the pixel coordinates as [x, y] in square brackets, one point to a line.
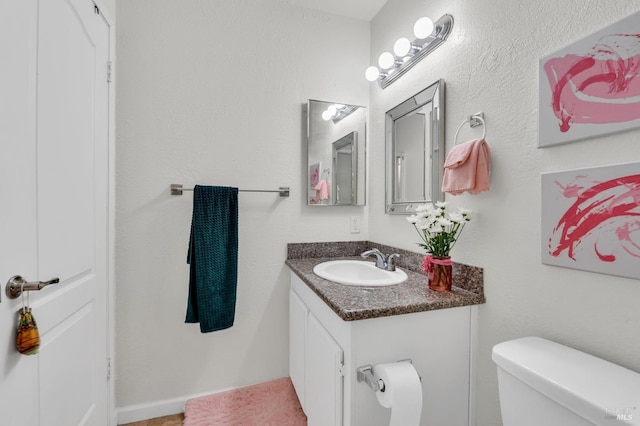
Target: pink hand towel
[322, 190]
[467, 168]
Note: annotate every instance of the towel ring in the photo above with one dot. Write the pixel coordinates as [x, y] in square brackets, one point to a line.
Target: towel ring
[474, 120]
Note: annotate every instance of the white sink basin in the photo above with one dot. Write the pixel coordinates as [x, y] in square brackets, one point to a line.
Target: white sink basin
[358, 272]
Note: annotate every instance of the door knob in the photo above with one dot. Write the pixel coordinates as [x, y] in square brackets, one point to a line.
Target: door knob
[16, 285]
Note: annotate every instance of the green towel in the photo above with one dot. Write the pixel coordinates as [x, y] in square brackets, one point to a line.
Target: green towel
[213, 256]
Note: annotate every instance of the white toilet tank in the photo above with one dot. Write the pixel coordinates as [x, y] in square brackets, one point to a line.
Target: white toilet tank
[542, 383]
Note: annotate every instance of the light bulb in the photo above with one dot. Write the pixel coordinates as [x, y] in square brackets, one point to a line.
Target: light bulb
[386, 60]
[423, 27]
[332, 110]
[402, 47]
[326, 116]
[372, 73]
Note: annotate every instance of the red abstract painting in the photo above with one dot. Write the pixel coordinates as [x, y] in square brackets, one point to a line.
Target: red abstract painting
[591, 219]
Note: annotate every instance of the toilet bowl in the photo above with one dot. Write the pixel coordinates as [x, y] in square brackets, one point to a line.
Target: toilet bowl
[544, 383]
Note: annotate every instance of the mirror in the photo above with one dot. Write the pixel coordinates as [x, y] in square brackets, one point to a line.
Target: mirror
[335, 154]
[415, 150]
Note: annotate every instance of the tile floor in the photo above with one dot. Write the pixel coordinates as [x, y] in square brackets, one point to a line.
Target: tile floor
[175, 420]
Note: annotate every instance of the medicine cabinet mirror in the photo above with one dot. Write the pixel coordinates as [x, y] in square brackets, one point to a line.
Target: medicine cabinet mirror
[415, 150]
[336, 154]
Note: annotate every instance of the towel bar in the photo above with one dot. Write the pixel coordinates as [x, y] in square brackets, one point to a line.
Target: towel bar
[177, 189]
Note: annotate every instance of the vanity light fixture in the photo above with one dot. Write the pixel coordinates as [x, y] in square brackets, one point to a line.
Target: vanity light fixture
[429, 36]
[337, 112]
[402, 47]
[386, 60]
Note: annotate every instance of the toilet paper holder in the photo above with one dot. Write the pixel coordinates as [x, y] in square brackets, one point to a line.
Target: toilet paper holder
[365, 374]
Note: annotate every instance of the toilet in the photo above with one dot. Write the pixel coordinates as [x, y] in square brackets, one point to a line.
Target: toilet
[543, 383]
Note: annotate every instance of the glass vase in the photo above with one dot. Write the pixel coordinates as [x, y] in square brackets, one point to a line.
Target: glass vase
[440, 274]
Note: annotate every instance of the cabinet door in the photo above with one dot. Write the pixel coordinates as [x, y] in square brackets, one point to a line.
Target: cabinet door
[323, 376]
[297, 325]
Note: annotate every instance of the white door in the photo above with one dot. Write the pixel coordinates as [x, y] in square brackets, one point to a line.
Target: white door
[54, 195]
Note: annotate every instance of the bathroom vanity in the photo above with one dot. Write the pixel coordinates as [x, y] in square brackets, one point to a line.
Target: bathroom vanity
[336, 328]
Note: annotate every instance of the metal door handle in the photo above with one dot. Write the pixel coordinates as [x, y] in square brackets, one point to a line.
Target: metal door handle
[17, 284]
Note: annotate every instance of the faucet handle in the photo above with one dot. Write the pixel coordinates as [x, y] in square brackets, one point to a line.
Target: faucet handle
[391, 261]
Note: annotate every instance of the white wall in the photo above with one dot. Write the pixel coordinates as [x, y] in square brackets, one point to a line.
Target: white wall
[212, 93]
[490, 64]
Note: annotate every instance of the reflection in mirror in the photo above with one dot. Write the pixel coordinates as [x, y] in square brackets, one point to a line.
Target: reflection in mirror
[415, 150]
[336, 154]
[344, 166]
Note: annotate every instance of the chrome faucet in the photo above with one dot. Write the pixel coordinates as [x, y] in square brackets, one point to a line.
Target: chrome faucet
[387, 263]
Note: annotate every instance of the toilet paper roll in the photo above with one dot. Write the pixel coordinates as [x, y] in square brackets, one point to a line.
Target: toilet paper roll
[402, 392]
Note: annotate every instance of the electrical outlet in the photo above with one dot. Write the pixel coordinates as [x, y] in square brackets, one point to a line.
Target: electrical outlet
[354, 224]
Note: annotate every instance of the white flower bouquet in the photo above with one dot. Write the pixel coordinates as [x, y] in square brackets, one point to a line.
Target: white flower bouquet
[438, 229]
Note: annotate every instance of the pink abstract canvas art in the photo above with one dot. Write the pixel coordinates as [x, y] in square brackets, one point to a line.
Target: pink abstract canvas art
[314, 175]
[593, 86]
[591, 219]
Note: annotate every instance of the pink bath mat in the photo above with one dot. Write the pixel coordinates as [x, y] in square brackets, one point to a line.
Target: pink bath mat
[271, 403]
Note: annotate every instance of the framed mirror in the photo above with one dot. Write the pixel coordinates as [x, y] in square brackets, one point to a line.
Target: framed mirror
[335, 154]
[415, 150]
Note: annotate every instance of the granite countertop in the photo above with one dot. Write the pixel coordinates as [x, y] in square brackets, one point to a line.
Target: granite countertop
[356, 302]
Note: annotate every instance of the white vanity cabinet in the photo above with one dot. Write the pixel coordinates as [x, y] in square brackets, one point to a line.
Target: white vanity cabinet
[315, 364]
[325, 352]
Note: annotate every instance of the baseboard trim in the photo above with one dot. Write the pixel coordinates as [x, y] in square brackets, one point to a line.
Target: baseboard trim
[151, 410]
[136, 413]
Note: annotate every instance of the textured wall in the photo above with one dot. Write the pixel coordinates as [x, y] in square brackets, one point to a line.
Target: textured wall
[490, 64]
[212, 93]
